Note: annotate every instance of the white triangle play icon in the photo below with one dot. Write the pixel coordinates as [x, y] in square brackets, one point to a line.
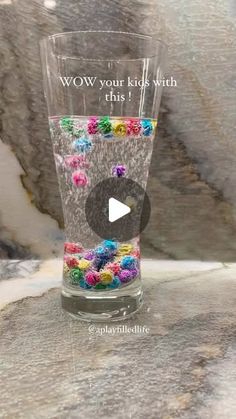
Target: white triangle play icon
[117, 210]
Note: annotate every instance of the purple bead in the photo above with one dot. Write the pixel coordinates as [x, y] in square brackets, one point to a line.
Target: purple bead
[119, 170]
[125, 276]
[89, 255]
[134, 273]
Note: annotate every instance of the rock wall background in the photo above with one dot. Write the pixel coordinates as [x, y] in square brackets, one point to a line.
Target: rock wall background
[193, 173]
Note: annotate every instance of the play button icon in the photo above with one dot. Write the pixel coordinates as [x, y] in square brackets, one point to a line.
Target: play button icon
[117, 208]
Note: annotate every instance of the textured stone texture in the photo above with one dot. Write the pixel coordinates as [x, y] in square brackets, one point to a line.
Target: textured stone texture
[52, 366]
[193, 171]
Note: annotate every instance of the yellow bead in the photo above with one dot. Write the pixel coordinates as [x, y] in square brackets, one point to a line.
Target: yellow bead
[106, 277]
[65, 268]
[119, 128]
[125, 249]
[84, 264]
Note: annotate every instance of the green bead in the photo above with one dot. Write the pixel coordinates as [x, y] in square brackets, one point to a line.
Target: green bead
[104, 125]
[78, 132]
[67, 124]
[76, 275]
[100, 287]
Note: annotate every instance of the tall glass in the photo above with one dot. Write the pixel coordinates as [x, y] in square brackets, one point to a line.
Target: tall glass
[103, 91]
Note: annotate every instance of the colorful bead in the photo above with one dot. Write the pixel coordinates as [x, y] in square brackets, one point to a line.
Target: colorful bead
[105, 125]
[128, 262]
[82, 144]
[147, 127]
[136, 253]
[71, 262]
[89, 255]
[76, 275]
[106, 277]
[92, 278]
[113, 267]
[115, 283]
[93, 125]
[119, 170]
[67, 124]
[84, 284]
[134, 272]
[111, 245]
[125, 276]
[79, 179]
[119, 128]
[100, 286]
[102, 251]
[84, 264]
[76, 162]
[125, 249]
[66, 268]
[72, 247]
[133, 127]
[78, 129]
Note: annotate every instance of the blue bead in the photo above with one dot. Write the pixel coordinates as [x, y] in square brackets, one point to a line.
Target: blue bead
[82, 144]
[115, 283]
[128, 262]
[110, 245]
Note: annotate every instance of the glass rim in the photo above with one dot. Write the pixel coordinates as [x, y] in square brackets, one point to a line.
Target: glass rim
[150, 37]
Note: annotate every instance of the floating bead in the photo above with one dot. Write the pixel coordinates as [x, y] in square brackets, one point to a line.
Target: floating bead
[67, 124]
[119, 128]
[125, 276]
[113, 267]
[72, 247]
[93, 125]
[147, 127]
[125, 249]
[133, 127]
[84, 264]
[76, 162]
[76, 275]
[128, 262]
[115, 283]
[105, 125]
[111, 245]
[78, 129]
[82, 144]
[119, 170]
[92, 278]
[79, 179]
[106, 277]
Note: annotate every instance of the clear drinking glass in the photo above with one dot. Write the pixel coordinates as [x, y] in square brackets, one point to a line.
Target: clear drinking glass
[103, 99]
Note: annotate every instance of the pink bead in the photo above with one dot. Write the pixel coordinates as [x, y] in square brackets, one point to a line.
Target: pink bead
[113, 267]
[76, 161]
[93, 125]
[71, 262]
[72, 248]
[79, 179]
[92, 278]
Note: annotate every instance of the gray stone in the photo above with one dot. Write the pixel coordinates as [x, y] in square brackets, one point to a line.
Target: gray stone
[192, 182]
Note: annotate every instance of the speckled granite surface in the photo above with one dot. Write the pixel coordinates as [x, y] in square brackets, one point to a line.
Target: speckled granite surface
[182, 366]
[192, 178]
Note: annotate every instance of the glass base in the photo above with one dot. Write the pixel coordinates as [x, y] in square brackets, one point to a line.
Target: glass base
[102, 306]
